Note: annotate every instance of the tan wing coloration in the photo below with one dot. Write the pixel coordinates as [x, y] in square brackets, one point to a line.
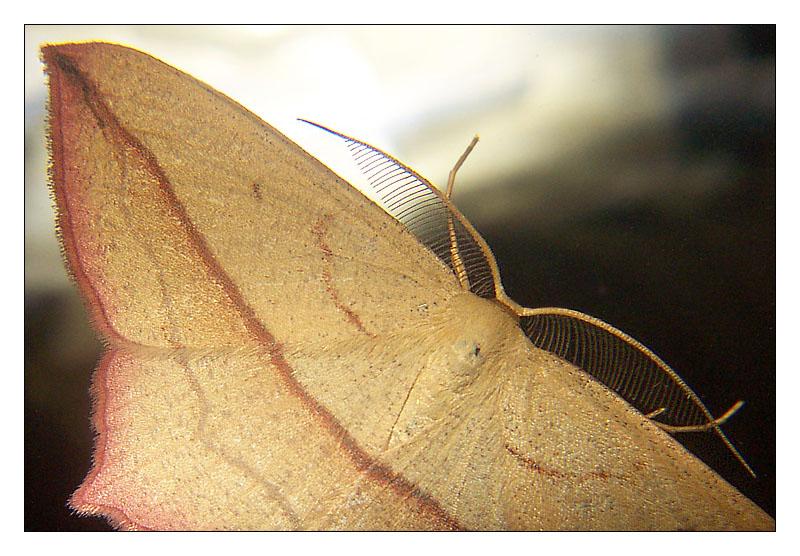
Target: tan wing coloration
[208, 248]
[285, 355]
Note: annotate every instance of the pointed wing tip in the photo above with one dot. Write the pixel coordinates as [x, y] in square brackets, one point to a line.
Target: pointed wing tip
[47, 52]
[49, 49]
[56, 56]
[82, 49]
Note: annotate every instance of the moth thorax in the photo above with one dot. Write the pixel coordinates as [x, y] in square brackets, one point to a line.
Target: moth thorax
[475, 331]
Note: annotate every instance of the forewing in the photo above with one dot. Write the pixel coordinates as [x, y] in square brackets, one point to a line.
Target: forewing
[171, 193]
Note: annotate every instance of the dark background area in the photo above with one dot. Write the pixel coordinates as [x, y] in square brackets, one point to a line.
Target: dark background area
[692, 276]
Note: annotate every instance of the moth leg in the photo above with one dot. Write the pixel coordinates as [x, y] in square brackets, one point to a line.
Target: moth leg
[455, 257]
[697, 428]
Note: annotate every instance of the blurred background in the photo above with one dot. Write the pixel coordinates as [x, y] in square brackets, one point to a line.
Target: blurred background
[627, 172]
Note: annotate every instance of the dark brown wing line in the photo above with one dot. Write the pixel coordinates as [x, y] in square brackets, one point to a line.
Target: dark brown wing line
[273, 348]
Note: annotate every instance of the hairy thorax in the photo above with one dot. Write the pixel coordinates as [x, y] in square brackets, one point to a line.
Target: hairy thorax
[457, 356]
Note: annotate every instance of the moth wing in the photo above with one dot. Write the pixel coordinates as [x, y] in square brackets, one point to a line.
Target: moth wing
[211, 251]
[218, 261]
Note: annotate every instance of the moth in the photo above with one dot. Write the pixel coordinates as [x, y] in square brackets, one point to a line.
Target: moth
[284, 353]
